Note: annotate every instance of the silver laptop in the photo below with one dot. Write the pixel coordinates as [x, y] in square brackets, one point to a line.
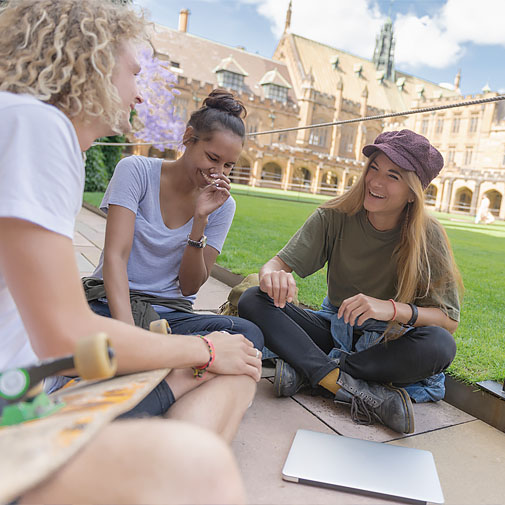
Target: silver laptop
[361, 466]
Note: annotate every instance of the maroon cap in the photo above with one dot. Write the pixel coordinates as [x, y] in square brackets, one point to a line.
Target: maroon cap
[409, 151]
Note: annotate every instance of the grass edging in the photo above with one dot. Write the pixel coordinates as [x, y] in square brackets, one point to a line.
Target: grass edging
[473, 400]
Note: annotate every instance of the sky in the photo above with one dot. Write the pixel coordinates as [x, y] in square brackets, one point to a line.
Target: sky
[434, 38]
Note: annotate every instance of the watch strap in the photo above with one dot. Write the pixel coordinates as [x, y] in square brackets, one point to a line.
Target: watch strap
[198, 243]
[415, 314]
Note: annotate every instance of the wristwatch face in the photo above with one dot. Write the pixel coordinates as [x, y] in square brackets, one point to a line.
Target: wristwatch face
[198, 243]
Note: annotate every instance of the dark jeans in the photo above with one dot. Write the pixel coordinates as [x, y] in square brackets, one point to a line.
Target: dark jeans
[303, 339]
[185, 323]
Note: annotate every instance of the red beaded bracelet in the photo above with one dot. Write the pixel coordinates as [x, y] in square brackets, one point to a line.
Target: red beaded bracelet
[394, 308]
[198, 372]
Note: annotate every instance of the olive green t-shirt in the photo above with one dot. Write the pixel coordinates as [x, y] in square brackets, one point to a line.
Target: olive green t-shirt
[360, 258]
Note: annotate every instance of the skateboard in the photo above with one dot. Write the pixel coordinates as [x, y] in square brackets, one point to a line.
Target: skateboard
[41, 432]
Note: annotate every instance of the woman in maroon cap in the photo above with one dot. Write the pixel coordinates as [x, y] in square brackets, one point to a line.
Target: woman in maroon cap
[383, 335]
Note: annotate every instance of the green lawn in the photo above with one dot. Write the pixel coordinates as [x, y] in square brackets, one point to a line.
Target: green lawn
[264, 223]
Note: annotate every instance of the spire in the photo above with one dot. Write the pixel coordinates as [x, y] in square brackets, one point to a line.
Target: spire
[287, 26]
[383, 55]
[457, 80]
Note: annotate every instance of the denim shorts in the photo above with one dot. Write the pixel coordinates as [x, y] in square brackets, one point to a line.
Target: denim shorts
[156, 403]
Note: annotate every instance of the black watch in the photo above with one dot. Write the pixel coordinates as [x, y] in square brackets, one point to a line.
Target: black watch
[198, 243]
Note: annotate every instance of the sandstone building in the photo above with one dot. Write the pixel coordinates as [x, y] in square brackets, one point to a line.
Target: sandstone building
[307, 83]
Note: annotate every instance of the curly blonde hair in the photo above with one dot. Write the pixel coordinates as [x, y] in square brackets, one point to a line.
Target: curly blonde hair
[63, 53]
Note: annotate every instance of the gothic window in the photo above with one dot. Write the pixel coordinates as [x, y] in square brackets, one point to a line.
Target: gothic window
[318, 136]
[230, 80]
[455, 125]
[252, 123]
[472, 126]
[275, 92]
[181, 107]
[451, 155]
[424, 126]
[347, 141]
[468, 155]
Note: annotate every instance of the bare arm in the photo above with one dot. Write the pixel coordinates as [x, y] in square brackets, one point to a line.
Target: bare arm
[277, 281]
[197, 263]
[41, 272]
[357, 309]
[117, 248]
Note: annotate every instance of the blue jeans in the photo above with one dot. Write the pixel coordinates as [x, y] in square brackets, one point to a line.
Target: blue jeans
[185, 323]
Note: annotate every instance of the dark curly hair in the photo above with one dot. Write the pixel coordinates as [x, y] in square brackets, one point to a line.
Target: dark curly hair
[219, 111]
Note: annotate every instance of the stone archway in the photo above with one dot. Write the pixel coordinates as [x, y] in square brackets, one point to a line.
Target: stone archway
[329, 183]
[430, 195]
[495, 199]
[463, 200]
[301, 180]
[241, 172]
[350, 181]
[271, 175]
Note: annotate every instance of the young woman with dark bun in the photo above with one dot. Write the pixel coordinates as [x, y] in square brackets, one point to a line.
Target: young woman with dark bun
[166, 224]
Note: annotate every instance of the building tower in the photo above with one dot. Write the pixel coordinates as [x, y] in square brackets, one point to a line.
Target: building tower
[383, 56]
[287, 24]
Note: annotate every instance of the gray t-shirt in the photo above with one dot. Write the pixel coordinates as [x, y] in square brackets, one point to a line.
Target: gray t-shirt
[360, 258]
[156, 254]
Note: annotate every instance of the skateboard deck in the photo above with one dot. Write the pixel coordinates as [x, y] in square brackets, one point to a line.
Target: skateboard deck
[32, 451]
[36, 441]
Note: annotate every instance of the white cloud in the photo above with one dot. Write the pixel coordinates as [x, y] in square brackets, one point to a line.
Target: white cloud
[424, 41]
[352, 25]
[349, 25]
[479, 22]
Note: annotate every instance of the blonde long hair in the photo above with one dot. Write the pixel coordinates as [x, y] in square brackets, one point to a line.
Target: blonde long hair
[424, 247]
[63, 53]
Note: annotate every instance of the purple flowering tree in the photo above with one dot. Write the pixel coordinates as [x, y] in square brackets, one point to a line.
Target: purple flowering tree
[161, 126]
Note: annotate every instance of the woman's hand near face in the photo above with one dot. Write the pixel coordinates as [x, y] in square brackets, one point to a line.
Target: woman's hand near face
[357, 309]
[235, 355]
[277, 281]
[213, 196]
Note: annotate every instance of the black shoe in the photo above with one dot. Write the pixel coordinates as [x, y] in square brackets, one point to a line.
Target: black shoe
[371, 402]
[287, 381]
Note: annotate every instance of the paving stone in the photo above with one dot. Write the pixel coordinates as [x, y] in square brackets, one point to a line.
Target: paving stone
[92, 220]
[85, 267]
[92, 254]
[262, 445]
[211, 295]
[470, 460]
[95, 235]
[428, 417]
[79, 240]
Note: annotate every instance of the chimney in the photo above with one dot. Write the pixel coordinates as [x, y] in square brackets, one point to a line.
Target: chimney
[183, 20]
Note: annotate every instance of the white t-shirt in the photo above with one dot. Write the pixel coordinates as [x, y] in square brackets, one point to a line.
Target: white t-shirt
[42, 181]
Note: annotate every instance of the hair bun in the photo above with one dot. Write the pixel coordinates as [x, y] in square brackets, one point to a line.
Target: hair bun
[225, 101]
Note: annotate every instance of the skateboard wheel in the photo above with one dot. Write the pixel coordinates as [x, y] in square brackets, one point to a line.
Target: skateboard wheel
[160, 326]
[94, 358]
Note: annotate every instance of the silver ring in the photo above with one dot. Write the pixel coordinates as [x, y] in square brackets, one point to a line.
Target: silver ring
[257, 353]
